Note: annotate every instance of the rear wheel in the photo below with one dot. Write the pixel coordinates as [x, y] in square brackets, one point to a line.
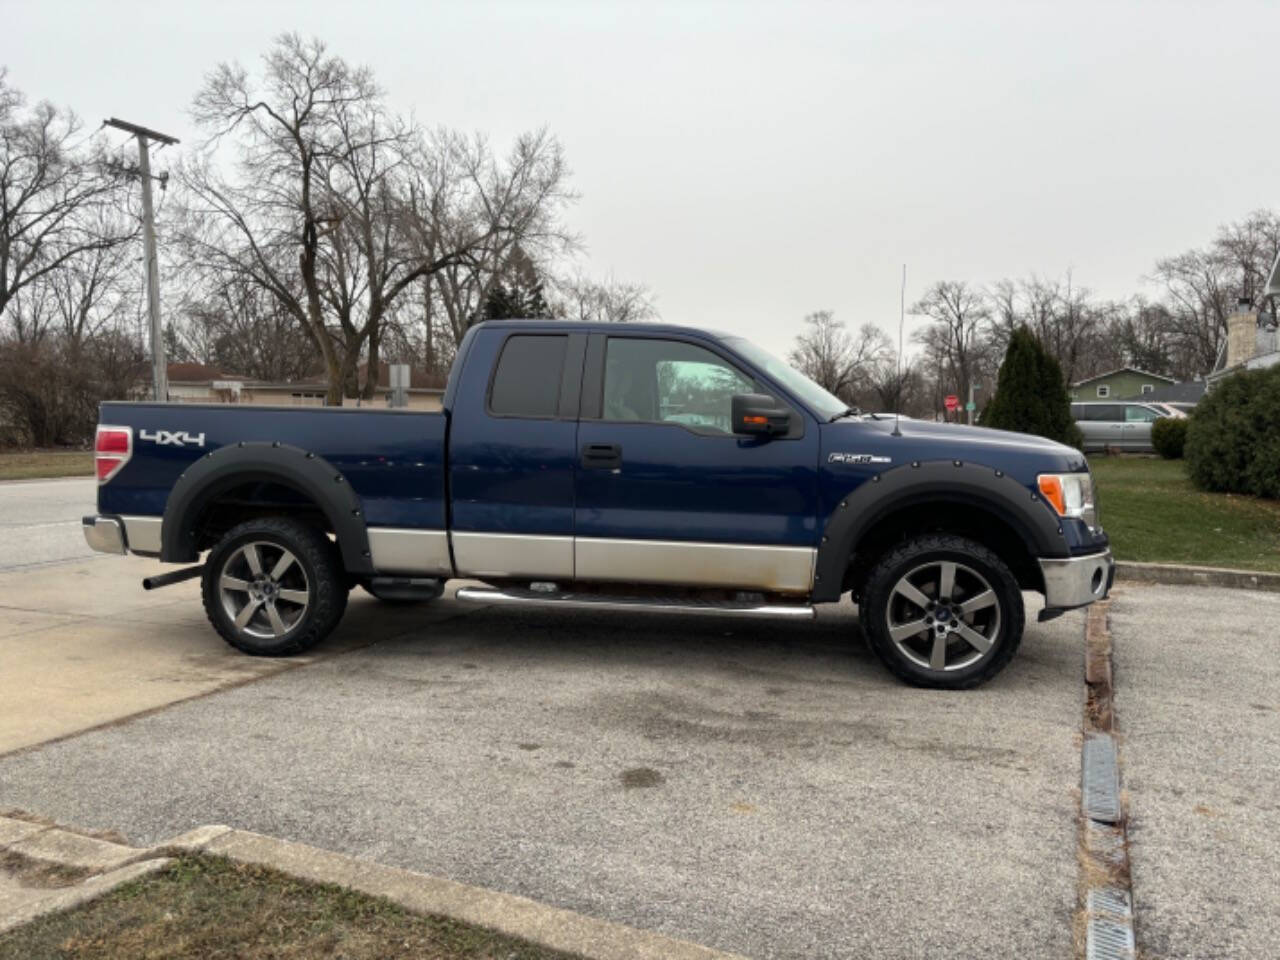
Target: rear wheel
[943, 611]
[274, 587]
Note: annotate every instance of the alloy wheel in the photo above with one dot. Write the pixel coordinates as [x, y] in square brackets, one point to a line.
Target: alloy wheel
[264, 590]
[943, 615]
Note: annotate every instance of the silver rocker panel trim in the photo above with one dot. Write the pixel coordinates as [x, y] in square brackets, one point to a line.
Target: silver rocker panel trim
[396, 550]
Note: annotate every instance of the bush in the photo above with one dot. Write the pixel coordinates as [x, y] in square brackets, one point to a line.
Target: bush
[1233, 441]
[1169, 437]
[1031, 396]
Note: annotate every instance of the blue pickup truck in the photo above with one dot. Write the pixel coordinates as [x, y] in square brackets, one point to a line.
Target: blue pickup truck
[624, 467]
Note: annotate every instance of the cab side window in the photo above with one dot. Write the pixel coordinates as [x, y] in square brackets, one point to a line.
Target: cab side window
[1103, 412]
[669, 381]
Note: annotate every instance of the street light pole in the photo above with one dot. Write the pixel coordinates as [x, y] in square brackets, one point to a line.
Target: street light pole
[159, 368]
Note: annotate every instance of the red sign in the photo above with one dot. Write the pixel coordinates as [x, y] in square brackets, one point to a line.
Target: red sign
[952, 402]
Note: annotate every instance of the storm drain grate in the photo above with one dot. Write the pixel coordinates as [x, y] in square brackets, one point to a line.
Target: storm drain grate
[1109, 940]
[1101, 785]
[1112, 900]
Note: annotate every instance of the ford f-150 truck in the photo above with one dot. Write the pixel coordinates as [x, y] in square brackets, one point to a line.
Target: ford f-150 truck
[616, 466]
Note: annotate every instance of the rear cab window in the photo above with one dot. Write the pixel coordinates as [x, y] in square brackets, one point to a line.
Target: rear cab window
[527, 376]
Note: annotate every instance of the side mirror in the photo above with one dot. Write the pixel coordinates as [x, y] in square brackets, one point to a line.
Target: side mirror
[758, 414]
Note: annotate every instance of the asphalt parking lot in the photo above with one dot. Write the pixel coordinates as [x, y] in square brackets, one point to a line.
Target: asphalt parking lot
[760, 787]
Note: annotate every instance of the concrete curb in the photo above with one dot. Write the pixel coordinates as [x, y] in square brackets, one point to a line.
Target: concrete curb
[515, 916]
[67, 897]
[512, 915]
[108, 864]
[1178, 574]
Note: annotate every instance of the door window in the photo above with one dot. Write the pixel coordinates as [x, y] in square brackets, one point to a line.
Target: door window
[1104, 412]
[1136, 414]
[668, 381]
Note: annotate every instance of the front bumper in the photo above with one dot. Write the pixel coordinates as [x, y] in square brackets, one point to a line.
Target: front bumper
[1077, 581]
[104, 534]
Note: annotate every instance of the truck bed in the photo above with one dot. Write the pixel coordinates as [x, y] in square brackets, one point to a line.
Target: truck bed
[393, 459]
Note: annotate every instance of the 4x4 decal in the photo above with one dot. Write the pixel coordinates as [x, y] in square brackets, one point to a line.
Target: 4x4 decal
[176, 438]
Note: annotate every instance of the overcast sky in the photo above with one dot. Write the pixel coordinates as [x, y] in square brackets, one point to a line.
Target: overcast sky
[755, 162]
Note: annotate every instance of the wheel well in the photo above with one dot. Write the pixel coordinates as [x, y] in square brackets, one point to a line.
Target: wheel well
[252, 500]
[959, 518]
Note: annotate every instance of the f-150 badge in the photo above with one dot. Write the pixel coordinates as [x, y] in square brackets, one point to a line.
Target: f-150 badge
[858, 458]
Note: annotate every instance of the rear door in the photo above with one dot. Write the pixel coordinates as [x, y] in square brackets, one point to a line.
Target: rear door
[666, 493]
[512, 454]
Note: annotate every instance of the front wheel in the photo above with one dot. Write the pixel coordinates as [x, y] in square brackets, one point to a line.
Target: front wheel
[274, 587]
[943, 611]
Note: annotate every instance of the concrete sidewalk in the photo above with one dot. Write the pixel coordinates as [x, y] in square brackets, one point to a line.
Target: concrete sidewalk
[82, 644]
[1197, 679]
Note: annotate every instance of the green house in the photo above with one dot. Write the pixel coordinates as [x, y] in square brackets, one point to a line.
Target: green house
[1127, 383]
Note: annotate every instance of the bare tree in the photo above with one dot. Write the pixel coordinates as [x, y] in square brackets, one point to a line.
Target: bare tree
[896, 388]
[1200, 292]
[241, 328]
[837, 359]
[463, 185]
[1249, 248]
[955, 340]
[338, 207]
[608, 300]
[55, 192]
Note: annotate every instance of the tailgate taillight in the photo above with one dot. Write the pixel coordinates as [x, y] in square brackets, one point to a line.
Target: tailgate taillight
[112, 448]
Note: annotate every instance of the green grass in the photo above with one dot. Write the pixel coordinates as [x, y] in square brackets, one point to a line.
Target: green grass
[1153, 513]
[35, 464]
[210, 908]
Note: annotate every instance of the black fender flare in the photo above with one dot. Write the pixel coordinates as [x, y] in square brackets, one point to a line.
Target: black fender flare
[234, 464]
[923, 482]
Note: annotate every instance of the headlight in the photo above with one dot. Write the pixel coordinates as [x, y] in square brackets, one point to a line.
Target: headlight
[1071, 494]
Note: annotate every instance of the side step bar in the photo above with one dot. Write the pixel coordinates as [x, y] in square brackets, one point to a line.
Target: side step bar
[596, 601]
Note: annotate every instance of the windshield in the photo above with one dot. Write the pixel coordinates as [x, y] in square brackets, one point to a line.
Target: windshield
[818, 400]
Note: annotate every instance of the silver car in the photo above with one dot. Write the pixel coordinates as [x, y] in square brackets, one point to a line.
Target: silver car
[1120, 425]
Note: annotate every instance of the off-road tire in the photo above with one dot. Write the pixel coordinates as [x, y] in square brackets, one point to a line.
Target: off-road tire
[326, 585]
[922, 551]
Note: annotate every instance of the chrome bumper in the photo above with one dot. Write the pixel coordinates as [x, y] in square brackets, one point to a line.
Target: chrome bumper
[104, 534]
[124, 534]
[1077, 581]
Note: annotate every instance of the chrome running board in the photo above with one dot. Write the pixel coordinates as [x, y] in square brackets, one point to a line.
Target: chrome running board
[598, 601]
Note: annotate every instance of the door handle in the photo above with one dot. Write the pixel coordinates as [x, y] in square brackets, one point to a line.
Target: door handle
[602, 456]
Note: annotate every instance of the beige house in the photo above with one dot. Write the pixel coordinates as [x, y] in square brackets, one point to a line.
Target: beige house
[200, 383]
[1253, 335]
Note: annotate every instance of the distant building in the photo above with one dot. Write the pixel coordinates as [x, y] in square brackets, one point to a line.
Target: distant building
[1187, 391]
[200, 383]
[1123, 384]
[1253, 337]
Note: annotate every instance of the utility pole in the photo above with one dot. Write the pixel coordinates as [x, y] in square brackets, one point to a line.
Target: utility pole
[159, 368]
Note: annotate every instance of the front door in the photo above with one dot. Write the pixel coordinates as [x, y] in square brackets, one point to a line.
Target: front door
[1137, 427]
[667, 493]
